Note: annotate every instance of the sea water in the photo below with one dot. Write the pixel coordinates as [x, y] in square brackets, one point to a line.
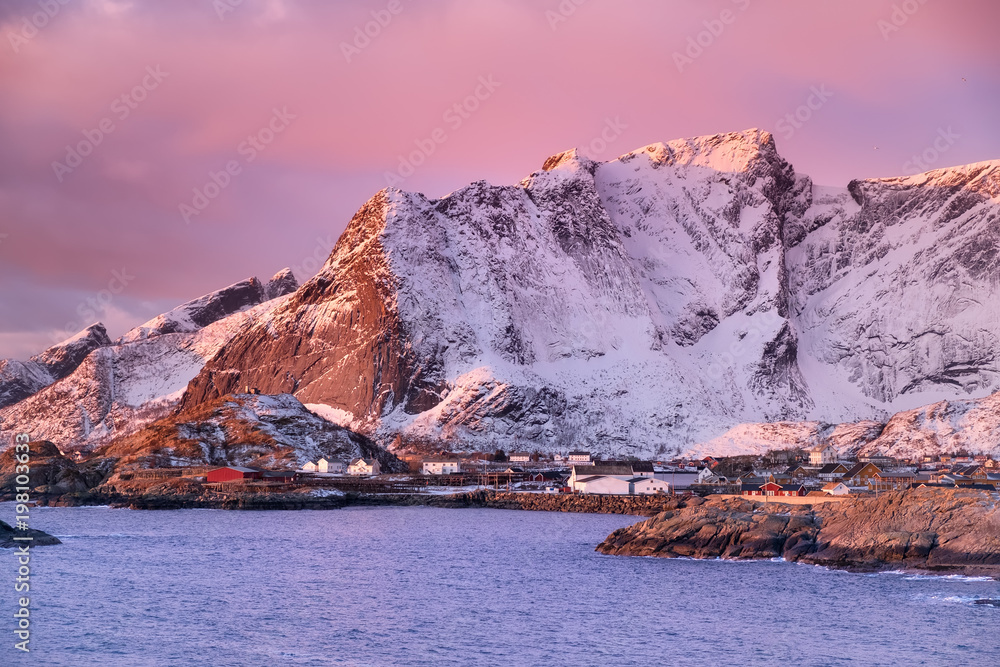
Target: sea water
[430, 586]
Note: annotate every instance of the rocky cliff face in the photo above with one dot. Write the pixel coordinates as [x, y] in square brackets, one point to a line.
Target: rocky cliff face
[926, 529]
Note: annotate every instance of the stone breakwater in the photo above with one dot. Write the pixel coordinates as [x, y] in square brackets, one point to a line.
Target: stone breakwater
[539, 502]
[921, 529]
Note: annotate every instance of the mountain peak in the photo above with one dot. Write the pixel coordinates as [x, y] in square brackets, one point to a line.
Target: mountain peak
[572, 159]
[280, 284]
[63, 358]
[728, 152]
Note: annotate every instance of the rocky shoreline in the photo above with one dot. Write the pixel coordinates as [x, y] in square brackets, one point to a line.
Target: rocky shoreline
[936, 530]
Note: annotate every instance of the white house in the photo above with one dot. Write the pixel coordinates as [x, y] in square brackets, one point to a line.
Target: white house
[707, 476]
[579, 457]
[820, 455]
[836, 489]
[616, 486]
[364, 467]
[309, 467]
[643, 486]
[441, 466]
[578, 471]
[330, 466]
[520, 457]
[621, 486]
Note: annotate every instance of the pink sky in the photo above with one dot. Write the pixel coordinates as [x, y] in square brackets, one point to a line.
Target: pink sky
[556, 81]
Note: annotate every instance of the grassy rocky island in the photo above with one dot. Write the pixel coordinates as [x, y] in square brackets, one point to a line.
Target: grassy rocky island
[929, 529]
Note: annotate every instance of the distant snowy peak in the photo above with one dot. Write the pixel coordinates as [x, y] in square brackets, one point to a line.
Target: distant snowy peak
[19, 380]
[62, 359]
[214, 306]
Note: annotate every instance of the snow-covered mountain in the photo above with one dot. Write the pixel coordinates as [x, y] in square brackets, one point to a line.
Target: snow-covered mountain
[646, 305]
[641, 305]
[116, 388]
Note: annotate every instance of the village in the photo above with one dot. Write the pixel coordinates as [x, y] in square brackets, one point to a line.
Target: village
[801, 476]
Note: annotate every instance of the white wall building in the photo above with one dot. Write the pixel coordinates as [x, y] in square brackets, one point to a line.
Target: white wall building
[330, 466]
[579, 457]
[820, 455]
[364, 467]
[645, 486]
[615, 486]
[520, 457]
[441, 466]
[309, 467]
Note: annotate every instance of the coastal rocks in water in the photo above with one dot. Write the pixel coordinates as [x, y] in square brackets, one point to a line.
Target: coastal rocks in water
[38, 538]
[927, 529]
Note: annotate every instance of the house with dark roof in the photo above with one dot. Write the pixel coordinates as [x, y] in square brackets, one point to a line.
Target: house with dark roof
[832, 471]
[773, 489]
[861, 474]
[800, 471]
[887, 481]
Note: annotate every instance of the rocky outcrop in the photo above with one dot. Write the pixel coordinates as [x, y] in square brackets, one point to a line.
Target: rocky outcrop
[925, 529]
[38, 538]
[49, 472]
[241, 429]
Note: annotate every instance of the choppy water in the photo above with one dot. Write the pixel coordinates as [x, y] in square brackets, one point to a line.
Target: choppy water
[425, 586]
